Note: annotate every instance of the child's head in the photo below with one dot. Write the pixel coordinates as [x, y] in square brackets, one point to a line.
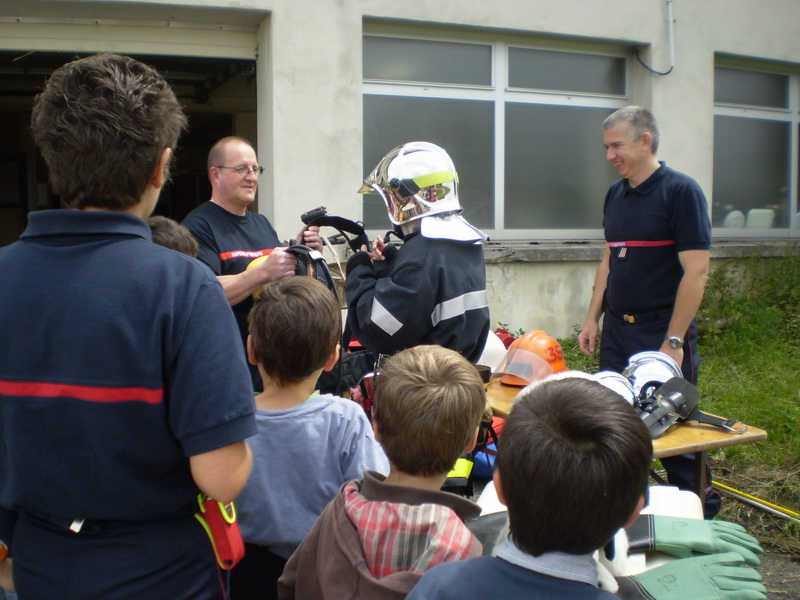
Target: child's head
[102, 123]
[573, 464]
[428, 405]
[295, 325]
[172, 235]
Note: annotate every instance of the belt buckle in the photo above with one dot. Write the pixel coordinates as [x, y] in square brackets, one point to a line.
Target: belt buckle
[76, 525]
[629, 318]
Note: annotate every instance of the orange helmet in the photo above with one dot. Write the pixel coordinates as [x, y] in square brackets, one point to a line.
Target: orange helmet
[549, 349]
[531, 357]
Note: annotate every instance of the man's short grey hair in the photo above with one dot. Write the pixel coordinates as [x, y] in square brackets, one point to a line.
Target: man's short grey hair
[640, 119]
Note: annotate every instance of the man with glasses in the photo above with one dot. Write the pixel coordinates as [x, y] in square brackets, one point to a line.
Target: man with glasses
[230, 236]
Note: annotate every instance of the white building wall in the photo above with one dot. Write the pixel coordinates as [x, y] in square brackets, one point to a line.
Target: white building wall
[311, 107]
[551, 296]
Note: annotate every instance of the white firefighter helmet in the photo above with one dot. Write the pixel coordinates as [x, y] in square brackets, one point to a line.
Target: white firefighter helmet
[493, 352]
[618, 383]
[418, 180]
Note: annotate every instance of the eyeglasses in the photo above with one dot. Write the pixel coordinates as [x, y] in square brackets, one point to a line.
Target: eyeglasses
[244, 170]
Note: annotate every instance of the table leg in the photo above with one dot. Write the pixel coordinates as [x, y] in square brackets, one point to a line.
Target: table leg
[700, 475]
[657, 478]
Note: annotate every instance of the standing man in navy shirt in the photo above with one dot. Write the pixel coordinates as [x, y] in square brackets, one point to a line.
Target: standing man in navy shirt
[230, 236]
[653, 273]
[123, 388]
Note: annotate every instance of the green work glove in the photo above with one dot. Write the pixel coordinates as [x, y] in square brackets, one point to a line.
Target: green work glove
[685, 537]
[712, 577]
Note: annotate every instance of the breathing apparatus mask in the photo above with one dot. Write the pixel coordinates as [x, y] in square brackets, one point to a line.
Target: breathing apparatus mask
[653, 384]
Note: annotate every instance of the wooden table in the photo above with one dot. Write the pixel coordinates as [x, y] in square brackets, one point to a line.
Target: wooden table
[688, 437]
[500, 396]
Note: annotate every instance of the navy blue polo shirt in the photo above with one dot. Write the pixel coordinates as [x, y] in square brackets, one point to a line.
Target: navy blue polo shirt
[646, 227]
[120, 359]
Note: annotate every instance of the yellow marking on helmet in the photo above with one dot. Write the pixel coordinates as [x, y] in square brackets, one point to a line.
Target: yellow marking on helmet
[435, 178]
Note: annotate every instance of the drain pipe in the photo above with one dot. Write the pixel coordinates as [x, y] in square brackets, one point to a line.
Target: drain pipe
[671, 35]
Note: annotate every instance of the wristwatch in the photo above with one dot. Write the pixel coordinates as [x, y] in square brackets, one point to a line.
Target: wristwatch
[675, 342]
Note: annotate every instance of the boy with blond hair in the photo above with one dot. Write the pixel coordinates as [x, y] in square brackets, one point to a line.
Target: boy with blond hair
[380, 534]
[308, 444]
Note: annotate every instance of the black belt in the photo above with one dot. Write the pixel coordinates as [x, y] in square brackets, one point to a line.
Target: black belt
[96, 525]
[642, 317]
[79, 525]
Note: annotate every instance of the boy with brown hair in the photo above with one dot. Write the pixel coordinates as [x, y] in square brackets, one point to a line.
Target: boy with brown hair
[171, 234]
[380, 534]
[308, 444]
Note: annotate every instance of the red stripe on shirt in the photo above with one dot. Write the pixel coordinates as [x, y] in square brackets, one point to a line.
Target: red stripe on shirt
[81, 392]
[244, 253]
[641, 243]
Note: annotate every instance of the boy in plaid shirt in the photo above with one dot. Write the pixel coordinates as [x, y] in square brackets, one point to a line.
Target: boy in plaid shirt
[379, 535]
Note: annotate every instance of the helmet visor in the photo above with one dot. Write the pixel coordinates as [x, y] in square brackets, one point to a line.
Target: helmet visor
[522, 367]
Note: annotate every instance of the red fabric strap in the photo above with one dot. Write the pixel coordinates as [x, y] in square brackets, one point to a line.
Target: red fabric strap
[641, 243]
[40, 389]
[245, 253]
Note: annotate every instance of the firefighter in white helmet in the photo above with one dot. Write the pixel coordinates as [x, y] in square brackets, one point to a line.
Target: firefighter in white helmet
[432, 289]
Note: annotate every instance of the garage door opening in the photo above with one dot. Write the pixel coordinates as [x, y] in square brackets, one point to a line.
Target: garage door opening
[219, 96]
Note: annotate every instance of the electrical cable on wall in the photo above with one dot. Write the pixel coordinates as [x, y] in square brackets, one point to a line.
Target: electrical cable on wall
[671, 40]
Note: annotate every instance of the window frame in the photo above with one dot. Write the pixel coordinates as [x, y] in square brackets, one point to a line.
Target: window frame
[500, 93]
[790, 115]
